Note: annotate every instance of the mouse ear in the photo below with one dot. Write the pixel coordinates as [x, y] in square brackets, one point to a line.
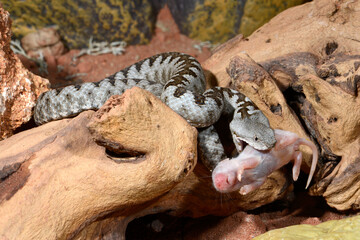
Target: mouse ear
[284, 139]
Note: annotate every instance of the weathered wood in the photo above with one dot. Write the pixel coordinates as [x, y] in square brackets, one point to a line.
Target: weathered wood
[66, 181]
[250, 78]
[65, 184]
[195, 197]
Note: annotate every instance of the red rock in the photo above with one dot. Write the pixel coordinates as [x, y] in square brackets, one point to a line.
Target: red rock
[237, 226]
[19, 88]
[45, 40]
[167, 38]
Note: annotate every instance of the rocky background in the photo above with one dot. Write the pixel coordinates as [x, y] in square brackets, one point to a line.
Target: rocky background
[301, 69]
[134, 21]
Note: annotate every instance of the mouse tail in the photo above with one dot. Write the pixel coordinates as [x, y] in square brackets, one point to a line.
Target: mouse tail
[314, 161]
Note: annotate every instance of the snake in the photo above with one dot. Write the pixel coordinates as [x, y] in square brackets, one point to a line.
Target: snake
[179, 81]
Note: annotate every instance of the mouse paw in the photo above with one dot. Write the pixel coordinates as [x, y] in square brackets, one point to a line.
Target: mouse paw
[245, 164]
[239, 173]
[251, 187]
[245, 190]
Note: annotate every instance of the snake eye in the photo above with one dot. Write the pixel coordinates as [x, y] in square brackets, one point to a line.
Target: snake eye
[256, 138]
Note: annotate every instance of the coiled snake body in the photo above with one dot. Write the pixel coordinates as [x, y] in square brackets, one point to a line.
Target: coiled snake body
[178, 80]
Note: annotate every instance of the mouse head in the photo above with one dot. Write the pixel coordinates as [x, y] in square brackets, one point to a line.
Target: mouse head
[224, 177]
[252, 128]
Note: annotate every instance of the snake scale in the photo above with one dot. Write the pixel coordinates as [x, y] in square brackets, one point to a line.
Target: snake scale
[178, 80]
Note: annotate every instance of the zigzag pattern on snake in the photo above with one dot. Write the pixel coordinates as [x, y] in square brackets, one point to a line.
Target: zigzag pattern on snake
[178, 80]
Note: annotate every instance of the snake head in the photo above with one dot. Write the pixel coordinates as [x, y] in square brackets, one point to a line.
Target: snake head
[254, 129]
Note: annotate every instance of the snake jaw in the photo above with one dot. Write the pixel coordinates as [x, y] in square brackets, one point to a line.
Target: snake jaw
[239, 143]
[255, 141]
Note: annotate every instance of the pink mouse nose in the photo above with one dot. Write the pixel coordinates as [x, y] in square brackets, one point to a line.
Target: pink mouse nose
[223, 182]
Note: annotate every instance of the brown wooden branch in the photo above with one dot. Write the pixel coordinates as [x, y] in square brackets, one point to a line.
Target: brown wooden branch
[195, 197]
[56, 180]
[250, 78]
[334, 113]
[59, 181]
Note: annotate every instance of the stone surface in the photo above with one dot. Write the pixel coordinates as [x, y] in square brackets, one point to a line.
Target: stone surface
[237, 226]
[257, 13]
[88, 68]
[133, 22]
[130, 21]
[62, 180]
[46, 40]
[348, 228]
[218, 21]
[19, 88]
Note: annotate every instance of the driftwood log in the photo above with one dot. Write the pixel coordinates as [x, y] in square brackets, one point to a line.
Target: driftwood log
[61, 180]
[83, 177]
[327, 108]
[304, 73]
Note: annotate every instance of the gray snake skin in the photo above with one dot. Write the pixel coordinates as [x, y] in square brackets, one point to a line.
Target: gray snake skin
[178, 80]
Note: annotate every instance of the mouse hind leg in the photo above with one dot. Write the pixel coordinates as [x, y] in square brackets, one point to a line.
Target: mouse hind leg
[284, 139]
